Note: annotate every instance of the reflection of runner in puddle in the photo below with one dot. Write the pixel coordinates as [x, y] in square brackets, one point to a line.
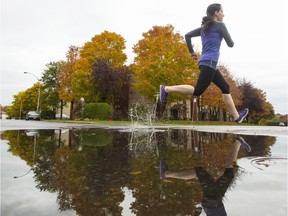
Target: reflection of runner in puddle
[213, 191]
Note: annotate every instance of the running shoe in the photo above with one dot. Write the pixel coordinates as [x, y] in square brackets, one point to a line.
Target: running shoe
[243, 143]
[163, 95]
[163, 167]
[242, 115]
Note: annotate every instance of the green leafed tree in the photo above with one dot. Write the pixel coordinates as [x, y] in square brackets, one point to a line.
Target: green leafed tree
[50, 79]
[162, 57]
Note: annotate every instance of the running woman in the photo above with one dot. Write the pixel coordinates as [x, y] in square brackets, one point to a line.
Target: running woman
[212, 31]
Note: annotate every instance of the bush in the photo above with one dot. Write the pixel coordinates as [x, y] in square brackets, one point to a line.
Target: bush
[99, 111]
[96, 137]
[272, 123]
[262, 122]
[47, 114]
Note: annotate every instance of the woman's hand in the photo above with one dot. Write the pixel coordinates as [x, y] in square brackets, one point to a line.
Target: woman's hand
[194, 56]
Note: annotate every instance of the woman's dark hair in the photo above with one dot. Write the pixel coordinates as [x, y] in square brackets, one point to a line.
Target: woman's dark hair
[208, 20]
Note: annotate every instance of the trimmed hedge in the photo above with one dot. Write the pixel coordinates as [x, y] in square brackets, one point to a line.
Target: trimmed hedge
[99, 111]
[47, 114]
[274, 124]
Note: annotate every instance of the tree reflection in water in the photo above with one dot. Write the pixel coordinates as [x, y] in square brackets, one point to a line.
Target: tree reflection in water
[88, 168]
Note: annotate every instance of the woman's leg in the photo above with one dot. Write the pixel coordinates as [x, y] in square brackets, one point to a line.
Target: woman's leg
[232, 155]
[182, 89]
[227, 98]
[205, 78]
[220, 82]
[181, 174]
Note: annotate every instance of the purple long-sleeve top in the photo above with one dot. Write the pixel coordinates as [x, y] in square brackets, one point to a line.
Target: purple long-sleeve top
[211, 43]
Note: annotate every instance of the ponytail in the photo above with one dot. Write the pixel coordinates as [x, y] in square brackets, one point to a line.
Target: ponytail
[208, 20]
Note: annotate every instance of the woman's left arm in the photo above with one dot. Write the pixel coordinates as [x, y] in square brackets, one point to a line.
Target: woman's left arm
[221, 27]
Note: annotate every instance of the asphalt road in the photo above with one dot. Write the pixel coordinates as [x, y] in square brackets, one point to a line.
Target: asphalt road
[12, 124]
[237, 129]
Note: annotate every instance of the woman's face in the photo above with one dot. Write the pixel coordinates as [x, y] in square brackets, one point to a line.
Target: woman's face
[219, 15]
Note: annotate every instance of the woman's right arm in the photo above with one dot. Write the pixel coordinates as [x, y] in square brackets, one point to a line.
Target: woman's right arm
[189, 35]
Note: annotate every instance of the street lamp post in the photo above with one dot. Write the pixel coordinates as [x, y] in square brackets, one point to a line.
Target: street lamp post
[38, 101]
[20, 114]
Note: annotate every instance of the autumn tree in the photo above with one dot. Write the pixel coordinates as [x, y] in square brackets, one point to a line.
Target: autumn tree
[112, 85]
[107, 45]
[26, 101]
[267, 110]
[15, 110]
[162, 57]
[250, 96]
[68, 68]
[255, 100]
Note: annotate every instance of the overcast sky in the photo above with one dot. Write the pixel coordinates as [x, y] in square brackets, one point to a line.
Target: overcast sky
[36, 32]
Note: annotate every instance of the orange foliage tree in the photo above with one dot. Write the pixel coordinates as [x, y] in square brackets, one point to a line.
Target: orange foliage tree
[255, 100]
[65, 90]
[162, 58]
[107, 45]
[66, 74]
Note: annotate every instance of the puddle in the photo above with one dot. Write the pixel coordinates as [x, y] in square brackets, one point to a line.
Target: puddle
[112, 172]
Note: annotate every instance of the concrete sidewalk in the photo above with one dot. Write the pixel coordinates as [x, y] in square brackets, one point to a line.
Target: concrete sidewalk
[235, 129]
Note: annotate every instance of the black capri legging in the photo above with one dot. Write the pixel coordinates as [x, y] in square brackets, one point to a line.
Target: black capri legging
[208, 75]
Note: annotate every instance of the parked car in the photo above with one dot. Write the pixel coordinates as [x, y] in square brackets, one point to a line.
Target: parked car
[32, 132]
[33, 115]
[58, 116]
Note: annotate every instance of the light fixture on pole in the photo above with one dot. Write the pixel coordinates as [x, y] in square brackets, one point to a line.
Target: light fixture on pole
[38, 101]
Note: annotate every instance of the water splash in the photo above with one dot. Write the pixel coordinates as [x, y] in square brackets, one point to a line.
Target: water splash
[142, 115]
[142, 131]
